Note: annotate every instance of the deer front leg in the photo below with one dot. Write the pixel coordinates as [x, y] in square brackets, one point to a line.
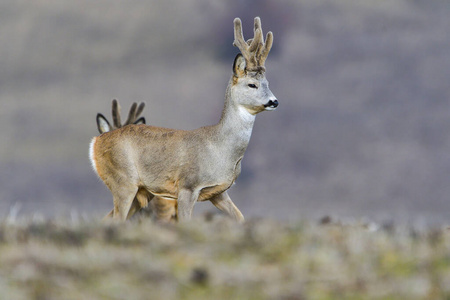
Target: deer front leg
[224, 203]
[185, 204]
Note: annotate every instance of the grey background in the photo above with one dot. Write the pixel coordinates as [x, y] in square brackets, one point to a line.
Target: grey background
[362, 130]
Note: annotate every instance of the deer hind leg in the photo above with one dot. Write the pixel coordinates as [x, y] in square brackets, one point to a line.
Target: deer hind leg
[109, 215]
[140, 201]
[224, 203]
[123, 199]
[143, 197]
[165, 210]
[134, 207]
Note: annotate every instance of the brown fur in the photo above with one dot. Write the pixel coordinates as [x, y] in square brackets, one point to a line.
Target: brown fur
[142, 197]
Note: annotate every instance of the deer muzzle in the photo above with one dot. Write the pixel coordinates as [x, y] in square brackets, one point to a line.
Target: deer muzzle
[272, 104]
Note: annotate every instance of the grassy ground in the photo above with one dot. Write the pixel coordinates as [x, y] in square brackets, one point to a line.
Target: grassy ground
[217, 259]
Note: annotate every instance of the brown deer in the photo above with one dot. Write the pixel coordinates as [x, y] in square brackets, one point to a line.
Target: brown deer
[195, 165]
[135, 111]
[163, 210]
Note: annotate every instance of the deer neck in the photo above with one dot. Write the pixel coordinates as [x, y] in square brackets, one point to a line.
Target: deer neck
[235, 126]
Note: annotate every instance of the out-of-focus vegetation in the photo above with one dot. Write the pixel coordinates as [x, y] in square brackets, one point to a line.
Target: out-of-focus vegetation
[218, 259]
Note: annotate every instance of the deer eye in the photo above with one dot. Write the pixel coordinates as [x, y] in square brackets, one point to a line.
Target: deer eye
[253, 86]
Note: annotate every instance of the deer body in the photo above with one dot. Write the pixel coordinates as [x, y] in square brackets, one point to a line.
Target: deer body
[187, 166]
[163, 210]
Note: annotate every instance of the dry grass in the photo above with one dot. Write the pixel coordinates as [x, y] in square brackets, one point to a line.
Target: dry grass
[217, 259]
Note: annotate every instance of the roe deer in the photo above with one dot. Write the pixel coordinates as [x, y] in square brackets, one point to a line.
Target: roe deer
[104, 126]
[196, 165]
[163, 210]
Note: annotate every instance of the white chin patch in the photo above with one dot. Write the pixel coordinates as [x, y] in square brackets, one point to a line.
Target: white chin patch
[270, 108]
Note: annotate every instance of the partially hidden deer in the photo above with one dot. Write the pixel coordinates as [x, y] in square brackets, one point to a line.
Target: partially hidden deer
[162, 209]
[187, 166]
[103, 124]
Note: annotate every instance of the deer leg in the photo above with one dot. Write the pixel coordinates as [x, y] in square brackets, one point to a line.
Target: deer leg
[224, 203]
[185, 204]
[133, 209]
[165, 210]
[137, 204]
[109, 215]
[123, 199]
[143, 197]
[140, 201]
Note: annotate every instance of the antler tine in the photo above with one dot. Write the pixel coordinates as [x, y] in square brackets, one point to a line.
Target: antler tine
[258, 31]
[140, 109]
[264, 51]
[256, 42]
[239, 37]
[247, 48]
[116, 114]
[131, 114]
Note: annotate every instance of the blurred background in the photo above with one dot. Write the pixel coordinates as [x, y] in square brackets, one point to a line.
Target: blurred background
[362, 130]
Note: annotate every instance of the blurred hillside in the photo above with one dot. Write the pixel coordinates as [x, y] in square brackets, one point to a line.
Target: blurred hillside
[363, 124]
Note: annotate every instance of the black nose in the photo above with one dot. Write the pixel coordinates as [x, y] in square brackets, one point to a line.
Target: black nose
[272, 103]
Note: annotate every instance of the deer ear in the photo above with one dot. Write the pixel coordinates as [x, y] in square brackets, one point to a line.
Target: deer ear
[239, 65]
[102, 124]
[139, 121]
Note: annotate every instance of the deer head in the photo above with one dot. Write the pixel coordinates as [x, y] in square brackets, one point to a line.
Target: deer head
[249, 82]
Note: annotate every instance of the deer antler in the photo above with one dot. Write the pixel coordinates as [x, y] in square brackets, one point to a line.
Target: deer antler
[140, 109]
[255, 51]
[116, 114]
[104, 126]
[133, 115]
